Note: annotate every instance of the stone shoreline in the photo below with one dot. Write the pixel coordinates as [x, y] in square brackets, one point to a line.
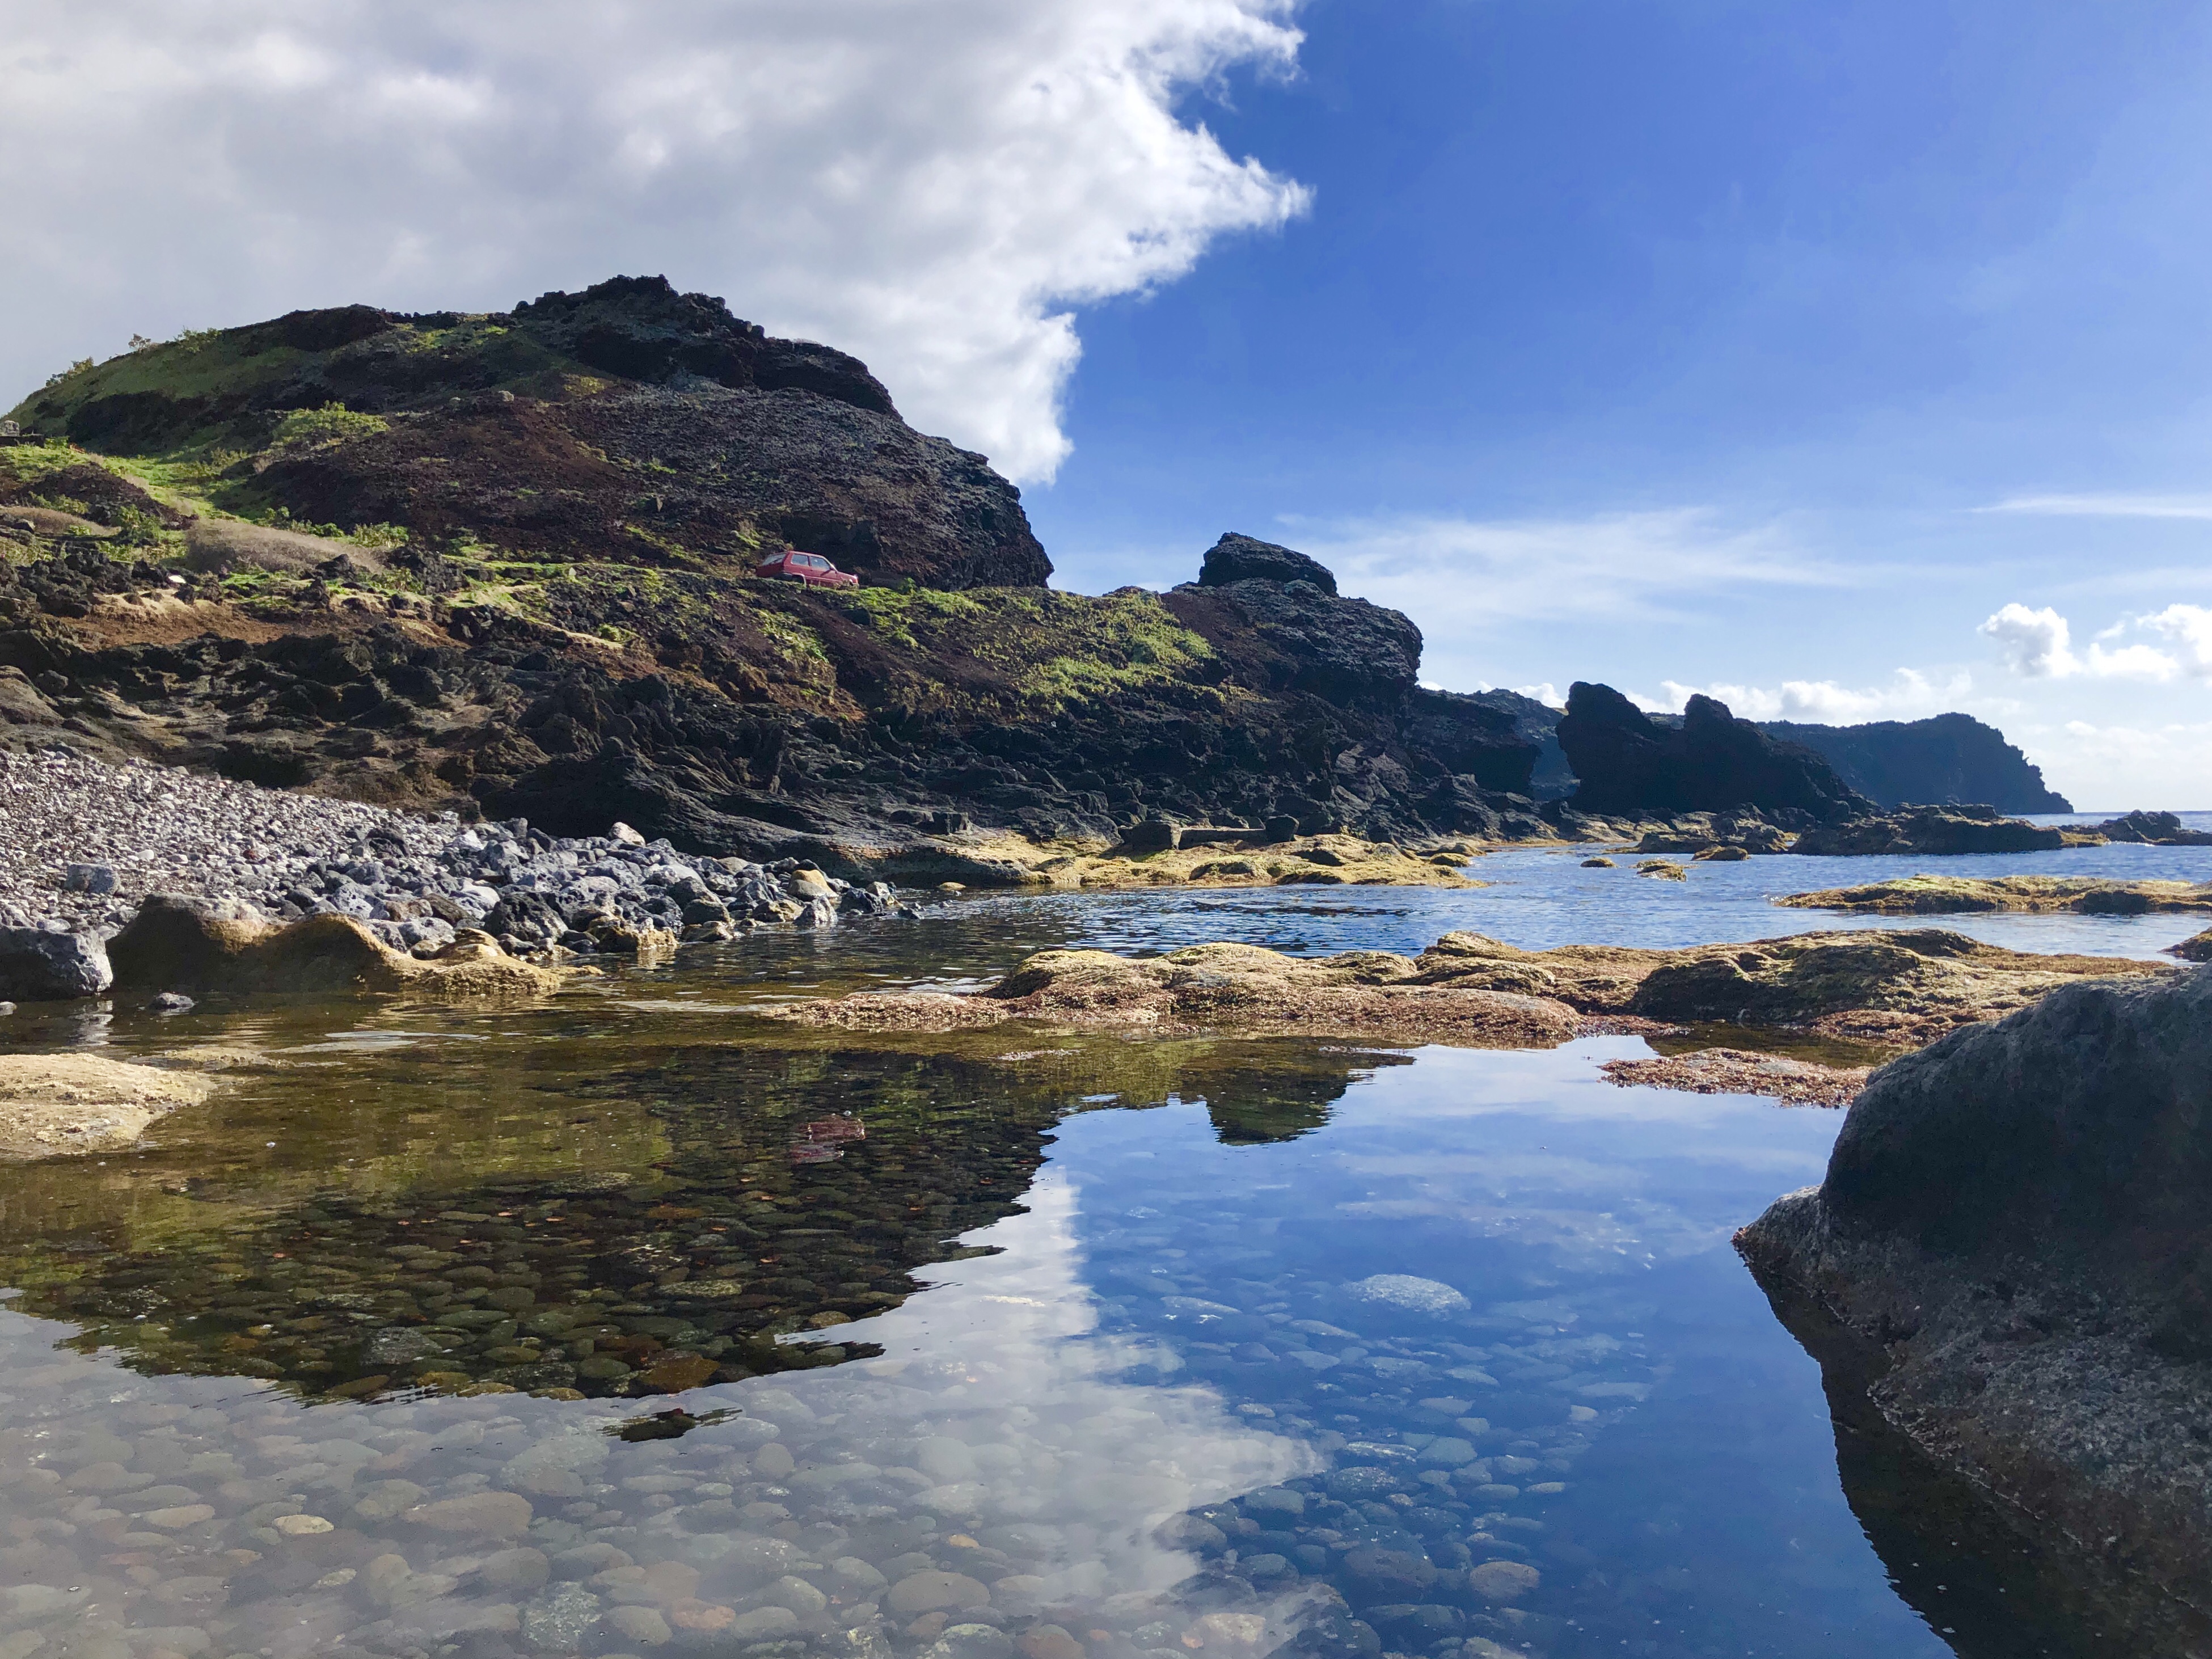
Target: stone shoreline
[92, 843]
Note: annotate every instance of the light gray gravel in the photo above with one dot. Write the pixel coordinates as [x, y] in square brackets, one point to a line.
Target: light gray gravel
[85, 842]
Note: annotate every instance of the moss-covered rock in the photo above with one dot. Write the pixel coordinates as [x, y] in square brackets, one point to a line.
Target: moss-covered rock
[1936, 895]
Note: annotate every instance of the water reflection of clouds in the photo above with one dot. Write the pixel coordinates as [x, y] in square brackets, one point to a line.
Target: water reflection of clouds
[1078, 1457]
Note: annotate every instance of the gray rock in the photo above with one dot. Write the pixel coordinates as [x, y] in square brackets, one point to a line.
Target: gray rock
[2012, 1256]
[38, 964]
[172, 1002]
[88, 878]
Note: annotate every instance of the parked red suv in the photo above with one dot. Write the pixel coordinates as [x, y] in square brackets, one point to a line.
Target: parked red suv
[810, 567]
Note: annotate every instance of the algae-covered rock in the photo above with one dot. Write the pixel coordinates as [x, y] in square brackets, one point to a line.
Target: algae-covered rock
[172, 944]
[1894, 989]
[1936, 896]
[84, 1102]
[1210, 987]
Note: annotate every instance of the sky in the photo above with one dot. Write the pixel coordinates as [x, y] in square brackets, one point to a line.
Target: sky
[1845, 360]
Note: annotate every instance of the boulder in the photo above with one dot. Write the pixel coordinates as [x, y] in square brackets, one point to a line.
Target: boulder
[2015, 1237]
[1942, 830]
[1237, 559]
[222, 545]
[174, 944]
[1630, 762]
[46, 965]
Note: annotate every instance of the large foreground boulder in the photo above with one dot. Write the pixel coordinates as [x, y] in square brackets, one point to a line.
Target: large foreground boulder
[174, 945]
[1713, 762]
[2018, 1220]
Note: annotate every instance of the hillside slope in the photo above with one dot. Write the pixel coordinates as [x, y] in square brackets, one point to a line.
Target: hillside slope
[503, 565]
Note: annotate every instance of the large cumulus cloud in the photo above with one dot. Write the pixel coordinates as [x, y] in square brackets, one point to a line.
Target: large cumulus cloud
[930, 184]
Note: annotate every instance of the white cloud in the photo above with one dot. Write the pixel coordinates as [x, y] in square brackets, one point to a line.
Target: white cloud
[2188, 627]
[930, 187]
[2039, 645]
[1455, 576]
[1911, 696]
[2106, 507]
[2035, 643]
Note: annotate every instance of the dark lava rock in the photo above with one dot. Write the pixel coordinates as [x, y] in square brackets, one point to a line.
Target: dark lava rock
[1930, 829]
[2013, 1245]
[1297, 635]
[1236, 558]
[1629, 763]
[2151, 828]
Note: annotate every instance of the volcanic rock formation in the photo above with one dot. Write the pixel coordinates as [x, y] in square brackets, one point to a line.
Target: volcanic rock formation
[1629, 763]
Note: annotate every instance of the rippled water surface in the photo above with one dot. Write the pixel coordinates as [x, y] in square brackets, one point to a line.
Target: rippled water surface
[634, 1324]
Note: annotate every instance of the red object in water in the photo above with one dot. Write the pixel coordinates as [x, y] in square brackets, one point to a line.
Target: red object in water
[820, 1142]
[809, 567]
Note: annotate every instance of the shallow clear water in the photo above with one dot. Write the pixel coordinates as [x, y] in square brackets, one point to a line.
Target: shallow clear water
[1096, 1347]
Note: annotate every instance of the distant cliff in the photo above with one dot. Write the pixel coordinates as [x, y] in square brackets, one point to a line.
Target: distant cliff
[1951, 758]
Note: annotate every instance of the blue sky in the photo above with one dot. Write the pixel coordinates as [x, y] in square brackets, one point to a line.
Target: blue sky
[1749, 313]
[1846, 360]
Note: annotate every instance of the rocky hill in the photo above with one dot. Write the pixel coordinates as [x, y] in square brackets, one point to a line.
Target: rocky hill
[1947, 758]
[503, 564]
[628, 423]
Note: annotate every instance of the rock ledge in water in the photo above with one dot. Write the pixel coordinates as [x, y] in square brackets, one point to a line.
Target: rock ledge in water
[2021, 1217]
[172, 944]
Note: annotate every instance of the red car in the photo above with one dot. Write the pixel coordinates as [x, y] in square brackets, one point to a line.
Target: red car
[810, 567]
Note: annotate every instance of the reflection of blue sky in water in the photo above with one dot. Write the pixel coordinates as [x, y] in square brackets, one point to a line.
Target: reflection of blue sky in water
[1589, 1226]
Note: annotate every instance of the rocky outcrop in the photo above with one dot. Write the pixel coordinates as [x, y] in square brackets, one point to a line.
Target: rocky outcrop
[1629, 763]
[1941, 896]
[1241, 558]
[2151, 829]
[1941, 830]
[1947, 757]
[2014, 1225]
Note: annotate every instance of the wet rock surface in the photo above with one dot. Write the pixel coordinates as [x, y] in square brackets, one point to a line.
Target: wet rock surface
[1894, 989]
[2014, 1222]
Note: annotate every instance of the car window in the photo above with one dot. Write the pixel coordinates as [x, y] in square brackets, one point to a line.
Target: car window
[817, 563]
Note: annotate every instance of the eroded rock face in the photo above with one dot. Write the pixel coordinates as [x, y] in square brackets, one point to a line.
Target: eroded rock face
[1713, 762]
[2021, 1215]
